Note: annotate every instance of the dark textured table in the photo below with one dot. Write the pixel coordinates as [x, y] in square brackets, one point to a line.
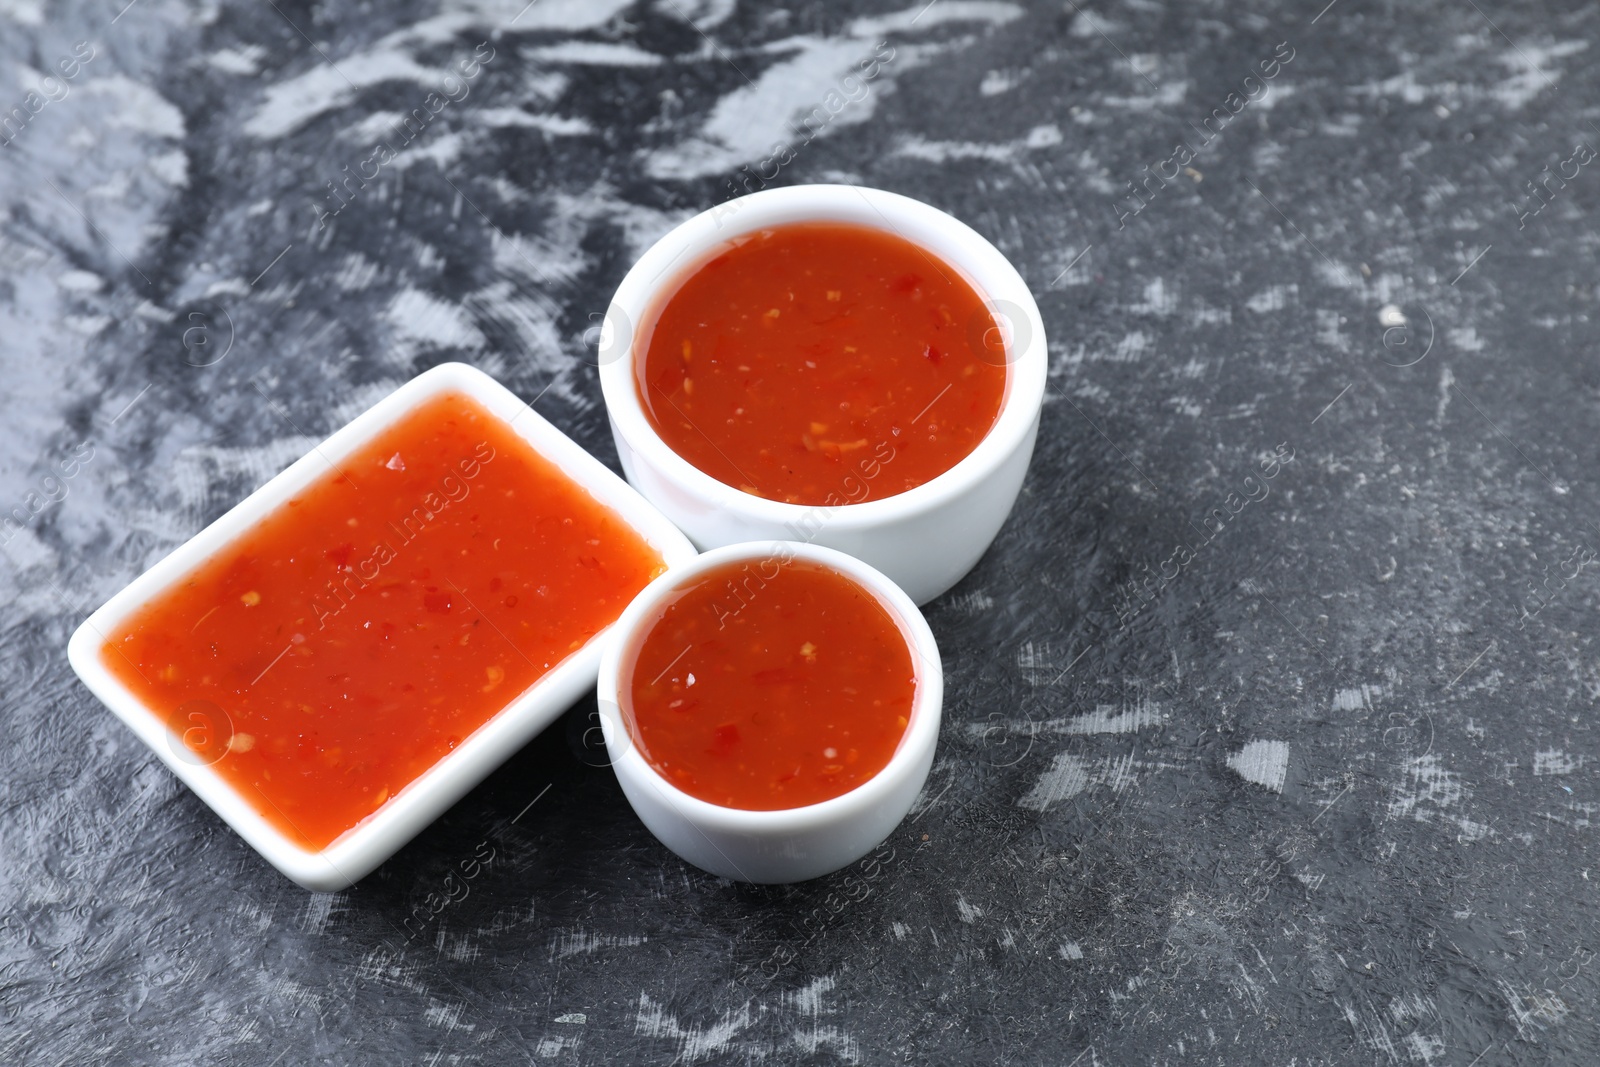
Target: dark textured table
[1269, 733]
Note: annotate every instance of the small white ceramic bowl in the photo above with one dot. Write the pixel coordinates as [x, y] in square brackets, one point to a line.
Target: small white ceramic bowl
[927, 538]
[380, 835]
[789, 844]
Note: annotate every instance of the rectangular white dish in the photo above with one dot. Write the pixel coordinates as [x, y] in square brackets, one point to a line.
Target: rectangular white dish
[373, 840]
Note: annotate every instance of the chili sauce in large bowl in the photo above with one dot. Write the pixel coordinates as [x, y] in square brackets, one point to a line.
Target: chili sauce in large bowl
[791, 356]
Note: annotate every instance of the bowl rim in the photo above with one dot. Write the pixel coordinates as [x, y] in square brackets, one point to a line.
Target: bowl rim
[922, 726]
[973, 256]
[354, 853]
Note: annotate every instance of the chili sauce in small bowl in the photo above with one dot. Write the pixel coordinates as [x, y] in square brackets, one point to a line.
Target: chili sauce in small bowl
[771, 709]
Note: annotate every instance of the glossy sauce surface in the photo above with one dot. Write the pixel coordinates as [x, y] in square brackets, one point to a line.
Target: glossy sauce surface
[340, 648]
[769, 685]
[822, 363]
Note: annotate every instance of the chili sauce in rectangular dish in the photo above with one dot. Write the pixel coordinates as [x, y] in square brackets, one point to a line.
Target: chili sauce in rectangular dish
[359, 633]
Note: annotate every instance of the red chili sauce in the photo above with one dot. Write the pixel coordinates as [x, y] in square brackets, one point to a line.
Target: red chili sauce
[356, 635]
[770, 685]
[822, 363]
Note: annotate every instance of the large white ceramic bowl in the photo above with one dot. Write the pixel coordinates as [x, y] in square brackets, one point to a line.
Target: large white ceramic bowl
[377, 837]
[925, 539]
[789, 844]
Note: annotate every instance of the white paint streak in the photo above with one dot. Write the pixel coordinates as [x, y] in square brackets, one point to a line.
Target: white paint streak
[1430, 786]
[1158, 300]
[356, 273]
[319, 908]
[246, 60]
[554, 125]
[1427, 794]
[447, 1016]
[289, 105]
[1358, 698]
[996, 82]
[1266, 763]
[23, 12]
[808, 999]
[549, 14]
[1532, 1010]
[753, 121]
[592, 54]
[652, 1021]
[1553, 761]
[748, 123]
[1425, 1048]
[200, 468]
[1067, 777]
[973, 603]
[924, 16]
[1273, 298]
[1172, 94]
[1109, 719]
[914, 147]
[1532, 68]
[1070, 774]
[580, 943]
[1104, 719]
[139, 107]
[550, 1048]
[80, 281]
[1130, 349]
[441, 151]
[419, 319]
